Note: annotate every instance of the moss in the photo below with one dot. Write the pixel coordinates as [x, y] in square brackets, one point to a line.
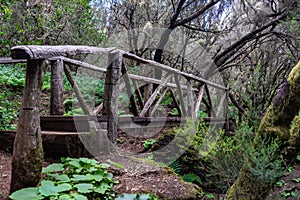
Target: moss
[275, 124]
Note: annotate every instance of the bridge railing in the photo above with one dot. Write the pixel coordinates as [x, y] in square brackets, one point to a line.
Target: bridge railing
[59, 57]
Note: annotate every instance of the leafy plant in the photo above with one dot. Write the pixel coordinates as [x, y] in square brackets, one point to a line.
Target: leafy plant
[174, 112]
[191, 177]
[148, 143]
[280, 183]
[289, 194]
[297, 180]
[136, 197]
[81, 178]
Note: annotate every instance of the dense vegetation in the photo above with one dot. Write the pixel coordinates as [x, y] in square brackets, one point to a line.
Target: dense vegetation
[253, 44]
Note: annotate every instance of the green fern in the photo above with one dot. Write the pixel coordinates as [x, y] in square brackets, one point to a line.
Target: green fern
[176, 166]
[190, 177]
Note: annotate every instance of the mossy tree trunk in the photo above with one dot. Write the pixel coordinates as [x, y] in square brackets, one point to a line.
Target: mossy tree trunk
[282, 120]
[28, 152]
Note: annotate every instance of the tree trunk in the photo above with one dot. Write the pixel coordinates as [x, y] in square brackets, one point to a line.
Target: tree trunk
[275, 124]
[28, 151]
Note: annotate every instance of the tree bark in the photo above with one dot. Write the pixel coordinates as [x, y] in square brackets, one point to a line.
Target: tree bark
[283, 112]
[28, 151]
[57, 88]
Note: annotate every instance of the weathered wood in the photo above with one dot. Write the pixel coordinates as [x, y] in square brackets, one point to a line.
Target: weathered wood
[28, 151]
[78, 94]
[103, 70]
[98, 109]
[11, 61]
[45, 52]
[158, 101]
[199, 99]
[153, 96]
[181, 101]
[138, 94]
[133, 109]
[111, 91]
[57, 88]
[190, 99]
[171, 70]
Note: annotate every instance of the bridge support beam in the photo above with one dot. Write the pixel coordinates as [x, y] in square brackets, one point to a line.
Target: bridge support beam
[111, 91]
[28, 151]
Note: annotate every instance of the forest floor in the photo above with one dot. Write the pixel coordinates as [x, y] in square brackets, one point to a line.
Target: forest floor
[287, 187]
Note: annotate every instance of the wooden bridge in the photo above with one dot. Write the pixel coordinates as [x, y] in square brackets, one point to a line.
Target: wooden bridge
[142, 108]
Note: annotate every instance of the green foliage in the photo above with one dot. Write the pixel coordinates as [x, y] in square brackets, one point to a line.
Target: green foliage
[280, 183]
[176, 166]
[262, 160]
[147, 144]
[81, 178]
[12, 80]
[289, 194]
[191, 177]
[136, 197]
[296, 180]
[174, 112]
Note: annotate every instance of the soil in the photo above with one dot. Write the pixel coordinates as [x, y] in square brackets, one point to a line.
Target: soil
[287, 190]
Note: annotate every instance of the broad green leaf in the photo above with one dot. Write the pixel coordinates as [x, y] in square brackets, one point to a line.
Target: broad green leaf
[48, 188]
[89, 161]
[87, 177]
[63, 187]
[60, 177]
[79, 196]
[102, 188]
[75, 163]
[53, 168]
[84, 187]
[65, 197]
[26, 194]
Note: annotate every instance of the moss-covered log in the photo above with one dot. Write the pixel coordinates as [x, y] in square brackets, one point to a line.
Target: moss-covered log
[280, 121]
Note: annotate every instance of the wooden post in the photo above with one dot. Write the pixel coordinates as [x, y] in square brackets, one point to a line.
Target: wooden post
[111, 91]
[190, 97]
[199, 99]
[181, 101]
[28, 151]
[57, 88]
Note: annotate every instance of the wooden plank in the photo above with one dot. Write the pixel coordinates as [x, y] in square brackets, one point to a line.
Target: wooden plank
[138, 94]
[78, 94]
[28, 151]
[181, 101]
[111, 91]
[159, 101]
[98, 109]
[199, 99]
[153, 96]
[133, 109]
[190, 99]
[57, 88]
[175, 101]
[103, 70]
[45, 52]
[11, 61]
[171, 70]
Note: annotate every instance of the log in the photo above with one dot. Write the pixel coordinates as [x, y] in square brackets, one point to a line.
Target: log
[158, 101]
[191, 103]
[134, 109]
[45, 52]
[57, 88]
[28, 151]
[181, 101]
[153, 96]
[111, 91]
[171, 70]
[199, 99]
[138, 94]
[78, 94]
[11, 61]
